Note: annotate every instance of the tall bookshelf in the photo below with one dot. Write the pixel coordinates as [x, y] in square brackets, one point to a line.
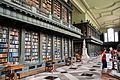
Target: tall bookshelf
[46, 6]
[49, 48]
[35, 45]
[27, 47]
[14, 45]
[3, 45]
[57, 8]
[66, 48]
[36, 3]
[44, 46]
[57, 47]
[70, 47]
[31, 47]
[64, 14]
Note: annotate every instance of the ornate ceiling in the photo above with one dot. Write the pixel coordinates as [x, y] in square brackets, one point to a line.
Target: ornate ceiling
[106, 12]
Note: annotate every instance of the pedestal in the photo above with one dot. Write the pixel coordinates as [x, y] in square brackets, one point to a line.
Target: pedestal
[85, 57]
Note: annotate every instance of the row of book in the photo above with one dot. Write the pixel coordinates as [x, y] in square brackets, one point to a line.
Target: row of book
[31, 46]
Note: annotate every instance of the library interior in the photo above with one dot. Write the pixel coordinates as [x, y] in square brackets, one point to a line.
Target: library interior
[59, 40]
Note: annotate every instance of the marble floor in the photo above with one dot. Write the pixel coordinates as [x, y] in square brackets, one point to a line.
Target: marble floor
[77, 71]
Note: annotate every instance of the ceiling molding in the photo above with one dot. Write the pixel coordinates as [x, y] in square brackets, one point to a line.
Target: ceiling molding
[93, 17]
[105, 7]
[106, 13]
[102, 14]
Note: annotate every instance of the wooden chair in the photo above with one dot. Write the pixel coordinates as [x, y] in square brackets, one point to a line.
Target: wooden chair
[48, 66]
[68, 61]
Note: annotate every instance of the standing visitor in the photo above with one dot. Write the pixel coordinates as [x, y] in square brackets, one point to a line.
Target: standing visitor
[104, 62]
[113, 57]
[118, 58]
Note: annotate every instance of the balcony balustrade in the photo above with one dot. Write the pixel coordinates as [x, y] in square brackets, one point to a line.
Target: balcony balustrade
[30, 4]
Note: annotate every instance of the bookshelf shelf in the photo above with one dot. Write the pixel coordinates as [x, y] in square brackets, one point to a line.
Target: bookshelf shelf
[66, 48]
[3, 44]
[57, 47]
[27, 46]
[64, 15]
[14, 45]
[31, 47]
[46, 47]
[46, 6]
[56, 8]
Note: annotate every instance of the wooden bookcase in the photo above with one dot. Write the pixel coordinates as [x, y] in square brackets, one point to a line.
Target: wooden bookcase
[3, 44]
[31, 47]
[46, 6]
[27, 47]
[9, 45]
[35, 47]
[66, 49]
[46, 47]
[14, 45]
[57, 9]
[57, 47]
[64, 14]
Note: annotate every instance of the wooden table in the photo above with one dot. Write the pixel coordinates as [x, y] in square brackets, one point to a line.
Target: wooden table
[12, 69]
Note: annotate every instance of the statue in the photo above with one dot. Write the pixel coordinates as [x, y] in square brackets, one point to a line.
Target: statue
[85, 58]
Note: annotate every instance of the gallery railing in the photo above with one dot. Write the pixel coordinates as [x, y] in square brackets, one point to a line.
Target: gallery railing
[34, 4]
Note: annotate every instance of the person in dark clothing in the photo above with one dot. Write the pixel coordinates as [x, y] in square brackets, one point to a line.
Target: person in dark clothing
[113, 57]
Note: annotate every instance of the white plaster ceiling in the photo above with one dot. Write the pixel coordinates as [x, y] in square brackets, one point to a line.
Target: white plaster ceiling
[106, 12]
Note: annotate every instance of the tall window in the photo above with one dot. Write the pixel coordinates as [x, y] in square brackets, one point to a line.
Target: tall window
[105, 37]
[116, 36]
[111, 36]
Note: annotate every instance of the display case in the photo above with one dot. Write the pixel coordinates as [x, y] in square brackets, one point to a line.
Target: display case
[3, 45]
[14, 45]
